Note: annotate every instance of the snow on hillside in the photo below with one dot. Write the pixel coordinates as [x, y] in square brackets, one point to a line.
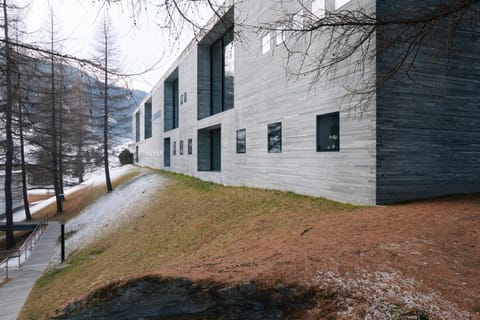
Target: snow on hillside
[108, 212]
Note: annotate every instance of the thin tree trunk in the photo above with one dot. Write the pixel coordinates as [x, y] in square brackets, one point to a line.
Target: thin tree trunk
[10, 239]
[105, 120]
[60, 140]
[56, 185]
[26, 205]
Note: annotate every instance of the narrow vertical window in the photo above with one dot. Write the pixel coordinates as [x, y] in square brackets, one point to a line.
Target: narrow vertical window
[175, 103]
[137, 127]
[266, 43]
[241, 141]
[222, 55]
[148, 120]
[174, 148]
[328, 132]
[228, 70]
[275, 137]
[189, 146]
[280, 35]
[181, 147]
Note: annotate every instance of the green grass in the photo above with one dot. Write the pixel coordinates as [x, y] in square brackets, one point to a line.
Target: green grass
[188, 220]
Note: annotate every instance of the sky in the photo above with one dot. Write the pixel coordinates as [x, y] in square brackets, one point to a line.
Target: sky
[140, 46]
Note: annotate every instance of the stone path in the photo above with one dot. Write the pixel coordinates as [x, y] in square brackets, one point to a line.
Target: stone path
[14, 293]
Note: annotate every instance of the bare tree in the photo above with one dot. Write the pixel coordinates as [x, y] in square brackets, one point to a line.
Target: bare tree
[10, 239]
[347, 36]
[105, 52]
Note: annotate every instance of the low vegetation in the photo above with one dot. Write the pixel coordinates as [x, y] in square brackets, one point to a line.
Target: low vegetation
[189, 221]
[417, 260]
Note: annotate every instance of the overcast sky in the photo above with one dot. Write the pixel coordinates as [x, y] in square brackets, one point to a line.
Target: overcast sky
[77, 22]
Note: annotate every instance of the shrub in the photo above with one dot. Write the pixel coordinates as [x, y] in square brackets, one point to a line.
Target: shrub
[125, 157]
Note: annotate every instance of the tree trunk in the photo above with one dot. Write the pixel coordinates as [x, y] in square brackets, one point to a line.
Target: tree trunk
[105, 120]
[26, 205]
[9, 237]
[54, 145]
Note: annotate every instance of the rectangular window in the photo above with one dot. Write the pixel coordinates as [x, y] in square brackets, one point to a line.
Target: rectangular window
[170, 102]
[181, 147]
[148, 120]
[241, 141]
[275, 137]
[136, 154]
[209, 149]
[137, 127]
[328, 132]
[266, 43]
[185, 97]
[318, 8]
[280, 35]
[189, 146]
[340, 3]
[166, 152]
[222, 55]
[174, 148]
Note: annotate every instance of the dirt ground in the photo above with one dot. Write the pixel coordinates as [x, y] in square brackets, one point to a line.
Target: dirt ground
[405, 259]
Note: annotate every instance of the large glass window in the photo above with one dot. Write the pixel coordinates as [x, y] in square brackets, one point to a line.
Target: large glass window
[137, 127]
[328, 132]
[148, 120]
[222, 63]
[241, 141]
[275, 137]
[170, 102]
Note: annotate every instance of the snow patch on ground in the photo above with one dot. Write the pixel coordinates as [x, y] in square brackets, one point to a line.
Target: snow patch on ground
[97, 178]
[383, 295]
[109, 212]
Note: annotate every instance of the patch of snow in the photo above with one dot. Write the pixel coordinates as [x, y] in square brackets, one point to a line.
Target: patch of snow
[98, 178]
[109, 212]
[384, 295]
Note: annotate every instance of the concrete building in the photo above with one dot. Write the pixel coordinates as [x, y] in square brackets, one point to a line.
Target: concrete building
[228, 111]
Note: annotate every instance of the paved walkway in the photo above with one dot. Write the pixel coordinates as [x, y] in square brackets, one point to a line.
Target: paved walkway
[14, 293]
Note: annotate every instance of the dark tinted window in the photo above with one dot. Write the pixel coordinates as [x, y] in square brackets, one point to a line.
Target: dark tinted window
[328, 132]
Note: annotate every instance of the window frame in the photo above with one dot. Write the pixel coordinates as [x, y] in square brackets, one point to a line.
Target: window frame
[181, 147]
[271, 147]
[244, 139]
[137, 126]
[326, 116]
[223, 41]
[266, 43]
[189, 146]
[148, 117]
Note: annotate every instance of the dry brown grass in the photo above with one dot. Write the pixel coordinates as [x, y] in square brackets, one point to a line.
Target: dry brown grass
[80, 199]
[189, 222]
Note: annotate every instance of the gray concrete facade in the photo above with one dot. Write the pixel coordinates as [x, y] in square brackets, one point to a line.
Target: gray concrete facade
[265, 93]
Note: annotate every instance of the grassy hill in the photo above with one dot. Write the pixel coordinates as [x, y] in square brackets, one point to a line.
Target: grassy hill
[419, 259]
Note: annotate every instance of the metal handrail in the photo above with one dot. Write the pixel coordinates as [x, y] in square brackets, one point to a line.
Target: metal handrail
[27, 244]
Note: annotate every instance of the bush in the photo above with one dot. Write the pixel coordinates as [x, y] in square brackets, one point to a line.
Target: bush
[125, 157]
